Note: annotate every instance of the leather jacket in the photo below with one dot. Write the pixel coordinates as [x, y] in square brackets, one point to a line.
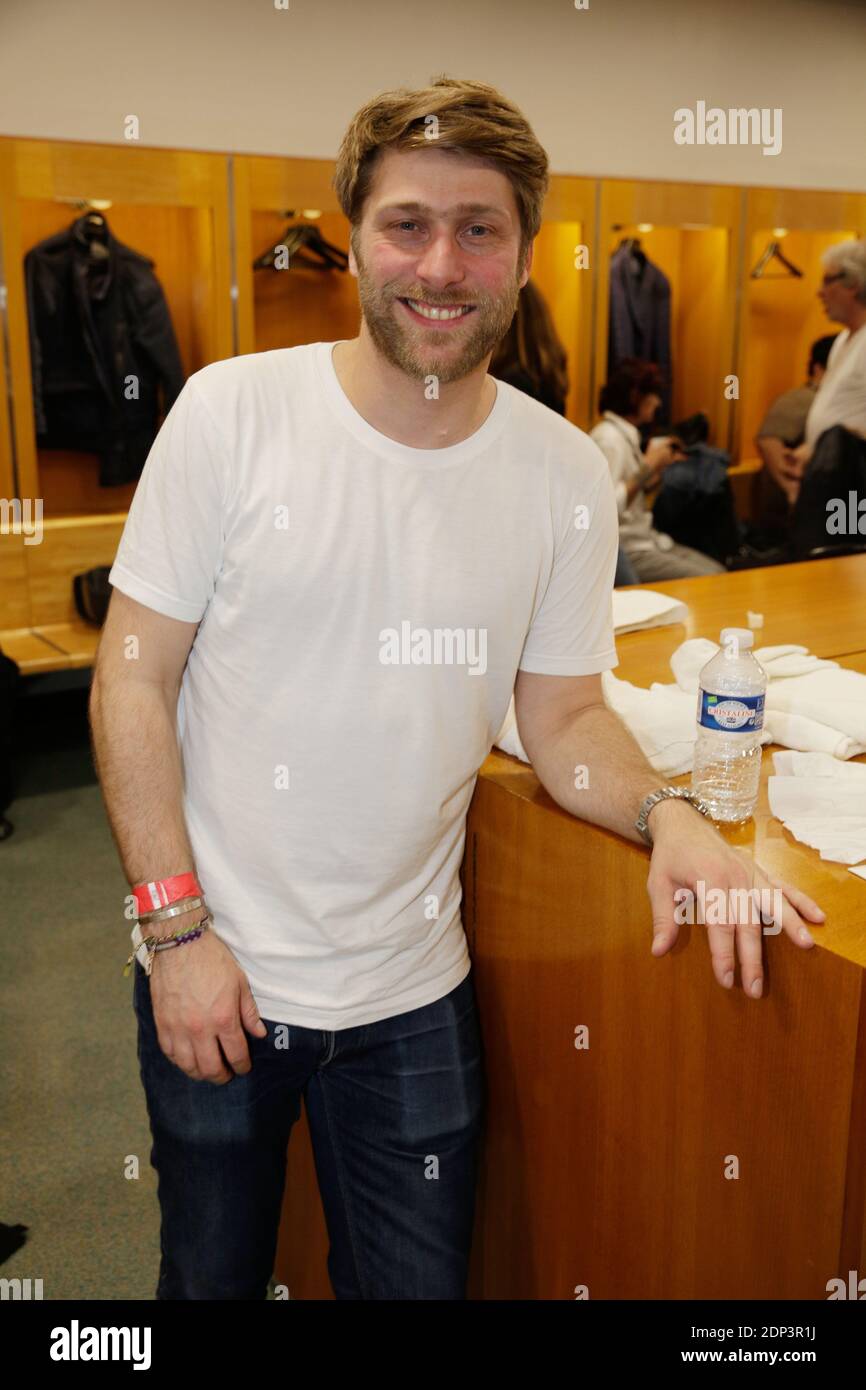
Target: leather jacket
[95, 322]
[827, 515]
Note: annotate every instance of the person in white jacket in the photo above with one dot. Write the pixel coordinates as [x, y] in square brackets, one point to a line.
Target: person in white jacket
[630, 398]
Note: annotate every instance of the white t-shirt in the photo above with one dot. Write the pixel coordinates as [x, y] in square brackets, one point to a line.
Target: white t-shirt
[327, 773]
[841, 396]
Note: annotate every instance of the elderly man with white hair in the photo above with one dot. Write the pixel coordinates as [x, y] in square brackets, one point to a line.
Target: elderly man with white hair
[841, 397]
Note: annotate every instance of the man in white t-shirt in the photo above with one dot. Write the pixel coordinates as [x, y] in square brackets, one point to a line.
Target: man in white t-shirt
[841, 396]
[340, 562]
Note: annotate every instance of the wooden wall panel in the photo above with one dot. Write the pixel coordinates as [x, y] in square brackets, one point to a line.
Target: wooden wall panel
[694, 239]
[14, 591]
[780, 318]
[272, 313]
[300, 304]
[569, 219]
[564, 288]
[70, 545]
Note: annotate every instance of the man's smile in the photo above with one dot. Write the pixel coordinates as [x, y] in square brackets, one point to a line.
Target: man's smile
[443, 315]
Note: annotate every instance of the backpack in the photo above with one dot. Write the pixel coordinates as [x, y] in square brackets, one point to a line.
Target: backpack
[828, 514]
[92, 592]
[695, 504]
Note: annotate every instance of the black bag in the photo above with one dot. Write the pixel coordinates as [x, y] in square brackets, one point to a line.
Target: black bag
[92, 592]
[836, 470]
[695, 504]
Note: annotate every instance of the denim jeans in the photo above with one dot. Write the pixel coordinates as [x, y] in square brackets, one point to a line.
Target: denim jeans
[395, 1110]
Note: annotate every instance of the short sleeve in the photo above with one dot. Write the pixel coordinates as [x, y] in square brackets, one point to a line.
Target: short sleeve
[170, 552]
[572, 631]
[786, 417]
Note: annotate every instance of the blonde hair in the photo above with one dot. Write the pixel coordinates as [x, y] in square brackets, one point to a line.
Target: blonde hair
[470, 117]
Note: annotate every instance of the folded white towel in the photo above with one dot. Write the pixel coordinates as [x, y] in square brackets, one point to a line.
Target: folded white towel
[634, 609]
[661, 719]
[690, 658]
[812, 705]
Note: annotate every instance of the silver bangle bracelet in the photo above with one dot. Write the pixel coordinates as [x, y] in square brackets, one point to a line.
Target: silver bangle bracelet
[161, 914]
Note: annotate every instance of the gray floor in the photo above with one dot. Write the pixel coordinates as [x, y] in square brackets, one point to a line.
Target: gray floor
[73, 1111]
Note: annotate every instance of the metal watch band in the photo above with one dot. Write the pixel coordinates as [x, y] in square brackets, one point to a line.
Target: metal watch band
[681, 793]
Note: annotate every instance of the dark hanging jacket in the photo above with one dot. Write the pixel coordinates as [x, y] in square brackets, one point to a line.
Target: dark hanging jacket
[640, 315]
[95, 323]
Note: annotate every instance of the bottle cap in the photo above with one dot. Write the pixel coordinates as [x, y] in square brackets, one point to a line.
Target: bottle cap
[744, 636]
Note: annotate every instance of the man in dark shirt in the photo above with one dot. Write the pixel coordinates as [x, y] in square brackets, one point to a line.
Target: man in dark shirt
[782, 428]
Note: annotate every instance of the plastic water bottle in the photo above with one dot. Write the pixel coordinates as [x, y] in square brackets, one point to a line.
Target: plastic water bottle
[727, 763]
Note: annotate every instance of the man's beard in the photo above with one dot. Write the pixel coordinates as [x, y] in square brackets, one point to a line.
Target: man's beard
[491, 319]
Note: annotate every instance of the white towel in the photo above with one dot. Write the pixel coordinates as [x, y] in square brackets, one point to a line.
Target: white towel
[634, 609]
[662, 720]
[822, 802]
[812, 705]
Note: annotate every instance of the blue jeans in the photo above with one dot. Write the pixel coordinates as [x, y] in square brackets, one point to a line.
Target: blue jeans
[625, 570]
[395, 1111]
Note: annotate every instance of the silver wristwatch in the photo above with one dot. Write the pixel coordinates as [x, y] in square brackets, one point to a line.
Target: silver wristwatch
[684, 793]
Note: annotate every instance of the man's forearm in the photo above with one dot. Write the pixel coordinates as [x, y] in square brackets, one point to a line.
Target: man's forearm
[138, 763]
[644, 481]
[594, 768]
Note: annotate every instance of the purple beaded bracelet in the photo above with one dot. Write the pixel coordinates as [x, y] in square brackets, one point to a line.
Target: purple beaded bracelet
[183, 937]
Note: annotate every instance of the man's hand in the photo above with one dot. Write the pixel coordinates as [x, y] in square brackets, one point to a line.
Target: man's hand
[792, 468]
[687, 848]
[782, 466]
[202, 1001]
[566, 726]
[661, 452]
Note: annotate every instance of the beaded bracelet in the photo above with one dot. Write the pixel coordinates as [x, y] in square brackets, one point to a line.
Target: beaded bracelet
[163, 943]
[178, 938]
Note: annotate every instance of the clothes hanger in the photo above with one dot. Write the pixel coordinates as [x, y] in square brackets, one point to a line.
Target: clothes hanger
[773, 252]
[631, 245]
[91, 229]
[316, 242]
[305, 236]
[298, 238]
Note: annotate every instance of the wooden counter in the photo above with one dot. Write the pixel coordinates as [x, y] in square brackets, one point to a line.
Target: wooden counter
[820, 604]
[606, 1167]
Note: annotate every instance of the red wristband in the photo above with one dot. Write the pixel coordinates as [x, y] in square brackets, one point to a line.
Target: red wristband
[162, 891]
